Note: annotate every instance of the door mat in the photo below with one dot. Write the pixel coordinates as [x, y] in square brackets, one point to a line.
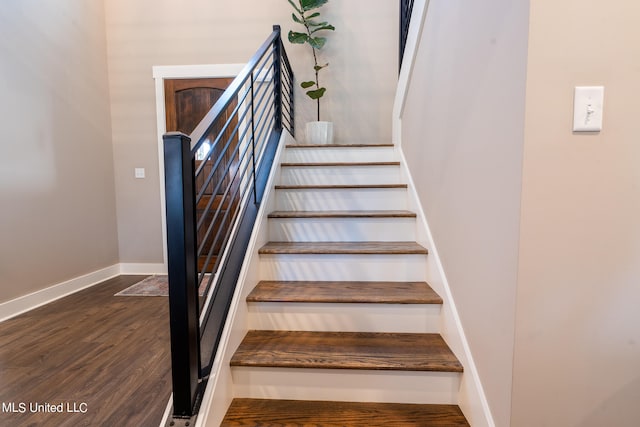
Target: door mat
[155, 286]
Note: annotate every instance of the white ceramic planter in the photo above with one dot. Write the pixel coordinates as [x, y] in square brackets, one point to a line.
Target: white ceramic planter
[319, 132]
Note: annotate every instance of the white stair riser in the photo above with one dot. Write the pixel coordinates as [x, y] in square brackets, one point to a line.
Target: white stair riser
[342, 229]
[343, 267]
[341, 199]
[346, 385]
[335, 175]
[345, 317]
[340, 154]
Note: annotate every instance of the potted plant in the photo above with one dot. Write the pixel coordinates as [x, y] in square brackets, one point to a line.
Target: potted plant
[306, 14]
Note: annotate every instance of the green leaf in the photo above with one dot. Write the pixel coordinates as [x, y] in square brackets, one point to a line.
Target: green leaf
[313, 15]
[316, 42]
[308, 84]
[326, 27]
[295, 6]
[296, 19]
[316, 94]
[311, 4]
[316, 24]
[320, 67]
[298, 38]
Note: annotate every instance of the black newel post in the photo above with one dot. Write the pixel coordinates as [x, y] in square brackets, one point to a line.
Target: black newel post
[182, 268]
[277, 78]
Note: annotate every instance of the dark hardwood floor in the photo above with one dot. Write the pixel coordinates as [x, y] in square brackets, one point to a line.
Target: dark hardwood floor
[104, 357]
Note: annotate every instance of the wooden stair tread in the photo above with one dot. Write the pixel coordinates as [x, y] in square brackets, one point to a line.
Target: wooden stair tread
[343, 214]
[336, 145]
[346, 350]
[347, 164]
[205, 200]
[202, 260]
[337, 186]
[344, 292]
[290, 413]
[345, 248]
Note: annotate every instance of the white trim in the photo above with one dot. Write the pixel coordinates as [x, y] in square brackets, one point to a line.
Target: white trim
[36, 299]
[472, 399]
[39, 298]
[161, 72]
[167, 412]
[416, 25]
[218, 393]
[151, 268]
[196, 71]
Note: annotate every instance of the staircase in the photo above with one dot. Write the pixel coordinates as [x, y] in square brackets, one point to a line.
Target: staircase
[343, 326]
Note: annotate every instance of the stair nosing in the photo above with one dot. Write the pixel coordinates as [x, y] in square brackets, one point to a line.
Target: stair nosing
[281, 412]
[343, 248]
[337, 164]
[352, 292]
[338, 145]
[339, 186]
[343, 214]
[371, 351]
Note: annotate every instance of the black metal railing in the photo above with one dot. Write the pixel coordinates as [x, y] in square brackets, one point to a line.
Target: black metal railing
[214, 180]
[406, 9]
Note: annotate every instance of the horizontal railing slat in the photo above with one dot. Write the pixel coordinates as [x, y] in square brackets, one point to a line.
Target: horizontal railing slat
[212, 116]
[212, 202]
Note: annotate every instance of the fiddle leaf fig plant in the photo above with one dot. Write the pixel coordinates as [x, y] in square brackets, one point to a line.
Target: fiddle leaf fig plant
[306, 14]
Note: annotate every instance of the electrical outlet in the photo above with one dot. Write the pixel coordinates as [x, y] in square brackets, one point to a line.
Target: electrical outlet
[139, 173]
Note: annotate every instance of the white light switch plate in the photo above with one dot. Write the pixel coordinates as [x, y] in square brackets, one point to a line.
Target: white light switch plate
[139, 172]
[587, 108]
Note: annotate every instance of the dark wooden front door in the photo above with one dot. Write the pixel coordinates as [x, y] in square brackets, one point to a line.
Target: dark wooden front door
[187, 101]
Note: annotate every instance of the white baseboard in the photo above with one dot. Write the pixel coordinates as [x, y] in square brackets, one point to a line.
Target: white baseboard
[472, 398]
[36, 299]
[149, 268]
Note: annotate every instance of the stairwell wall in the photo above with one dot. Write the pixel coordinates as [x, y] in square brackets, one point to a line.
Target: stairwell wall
[142, 33]
[577, 347]
[58, 215]
[462, 135]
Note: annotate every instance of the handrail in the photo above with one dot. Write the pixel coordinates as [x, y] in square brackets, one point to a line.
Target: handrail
[214, 180]
[234, 88]
[406, 9]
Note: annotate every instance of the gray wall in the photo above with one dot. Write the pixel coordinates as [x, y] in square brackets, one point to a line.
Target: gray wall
[361, 82]
[57, 219]
[462, 135]
[537, 226]
[577, 347]
[83, 111]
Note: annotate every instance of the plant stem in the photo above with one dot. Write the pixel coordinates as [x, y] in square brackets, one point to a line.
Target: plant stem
[315, 63]
[315, 60]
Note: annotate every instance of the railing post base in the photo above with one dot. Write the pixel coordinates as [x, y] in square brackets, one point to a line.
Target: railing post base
[195, 204]
[182, 269]
[180, 422]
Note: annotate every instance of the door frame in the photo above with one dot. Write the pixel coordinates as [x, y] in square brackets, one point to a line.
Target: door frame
[160, 73]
